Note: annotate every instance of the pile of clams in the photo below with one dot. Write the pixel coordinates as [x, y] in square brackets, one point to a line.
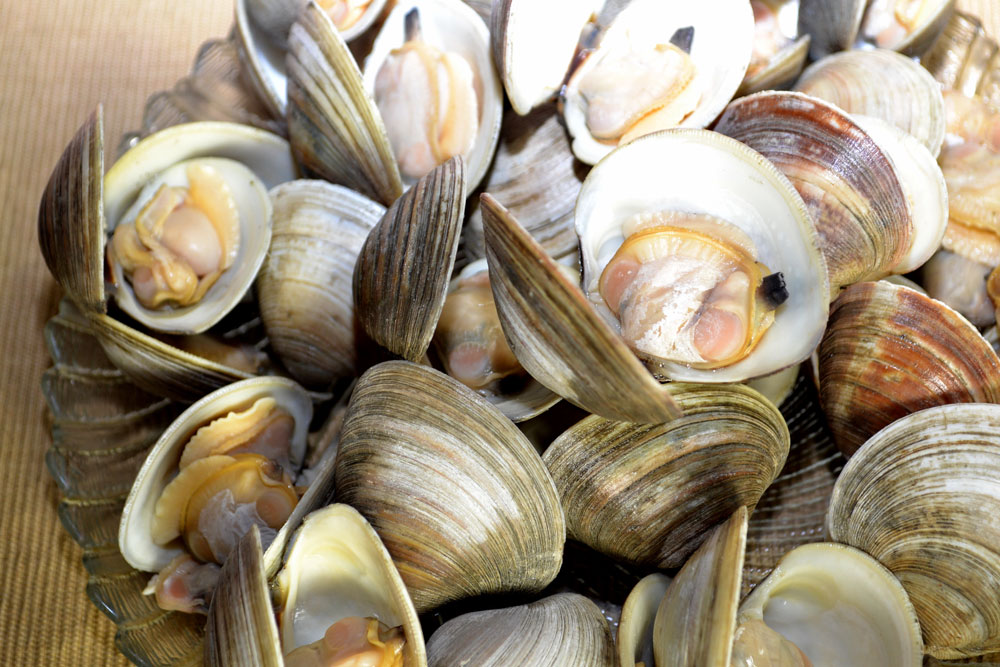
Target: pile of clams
[545, 331]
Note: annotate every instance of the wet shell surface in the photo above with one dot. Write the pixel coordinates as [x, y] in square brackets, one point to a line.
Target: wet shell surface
[458, 495]
[922, 497]
[889, 351]
[650, 494]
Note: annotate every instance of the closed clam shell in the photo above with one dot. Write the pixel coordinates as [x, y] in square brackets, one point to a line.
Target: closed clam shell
[402, 272]
[650, 494]
[923, 496]
[563, 630]
[304, 289]
[889, 351]
[334, 127]
[458, 495]
[883, 84]
[559, 338]
[848, 184]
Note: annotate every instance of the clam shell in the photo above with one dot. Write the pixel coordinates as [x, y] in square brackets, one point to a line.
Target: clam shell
[922, 497]
[557, 336]
[71, 217]
[402, 273]
[924, 34]
[696, 619]
[708, 173]
[241, 628]
[266, 155]
[304, 288]
[839, 606]
[563, 630]
[452, 26]
[889, 351]
[781, 71]
[335, 129]
[649, 494]
[134, 532]
[535, 174]
[966, 59]
[635, 630]
[849, 185]
[458, 495]
[832, 26]
[883, 84]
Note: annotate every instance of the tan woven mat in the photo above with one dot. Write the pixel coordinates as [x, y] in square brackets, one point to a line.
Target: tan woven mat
[58, 60]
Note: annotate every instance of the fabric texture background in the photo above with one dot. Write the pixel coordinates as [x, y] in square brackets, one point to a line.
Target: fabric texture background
[58, 60]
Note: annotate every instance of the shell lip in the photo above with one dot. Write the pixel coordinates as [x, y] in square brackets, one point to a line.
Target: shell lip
[134, 539]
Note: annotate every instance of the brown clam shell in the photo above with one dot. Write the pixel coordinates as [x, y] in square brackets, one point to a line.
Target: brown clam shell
[71, 217]
[966, 59]
[458, 495]
[848, 184]
[402, 273]
[556, 334]
[334, 127]
[888, 351]
[650, 494]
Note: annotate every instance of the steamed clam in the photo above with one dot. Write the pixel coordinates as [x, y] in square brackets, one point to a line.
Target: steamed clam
[220, 467]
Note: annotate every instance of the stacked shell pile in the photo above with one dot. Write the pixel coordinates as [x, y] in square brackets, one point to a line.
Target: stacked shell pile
[519, 276]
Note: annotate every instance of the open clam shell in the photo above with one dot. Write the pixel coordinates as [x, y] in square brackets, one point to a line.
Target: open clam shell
[458, 495]
[834, 604]
[269, 162]
[922, 497]
[912, 36]
[649, 494]
[779, 52]
[719, 50]
[450, 26]
[557, 336]
[848, 184]
[710, 174]
[135, 532]
[889, 351]
[304, 289]
[563, 630]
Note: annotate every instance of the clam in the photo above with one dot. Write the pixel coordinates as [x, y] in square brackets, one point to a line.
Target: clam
[922, 497]
[831, 26]
[650, 494]
[304, 289]
[778, 57]
[889, 351]
[851, 188]
[883, 84]
[909, 26]
[433, 80]
[470, 344]
[337, 589]
[964, 58]
[827, 605]
[565, 629]
[196, 495]
[458, 495]
[642, 222]
[659, 65]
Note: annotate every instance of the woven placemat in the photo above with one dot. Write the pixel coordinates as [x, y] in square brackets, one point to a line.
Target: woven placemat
[60, 59]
